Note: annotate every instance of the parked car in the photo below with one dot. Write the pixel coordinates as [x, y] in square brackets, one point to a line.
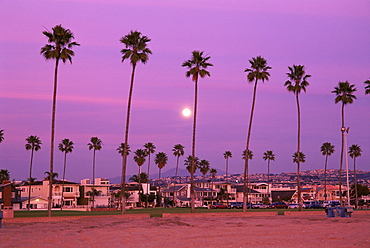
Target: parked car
[219, 205]
[331, 204]
[278, 205]
[259, 205]
[293, 206]
[235, 205]
[314, 204]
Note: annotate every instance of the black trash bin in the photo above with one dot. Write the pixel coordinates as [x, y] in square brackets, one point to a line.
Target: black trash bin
[1, 219]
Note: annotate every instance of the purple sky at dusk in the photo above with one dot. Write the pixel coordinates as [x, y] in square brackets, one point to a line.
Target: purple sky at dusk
[331, 38]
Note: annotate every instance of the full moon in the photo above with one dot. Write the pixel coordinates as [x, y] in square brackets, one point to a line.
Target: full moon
[186, 112]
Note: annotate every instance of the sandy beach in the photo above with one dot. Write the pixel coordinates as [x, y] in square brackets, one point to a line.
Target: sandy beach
[254, 231]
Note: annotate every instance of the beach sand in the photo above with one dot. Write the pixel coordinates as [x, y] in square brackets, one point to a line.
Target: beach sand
[255, 231]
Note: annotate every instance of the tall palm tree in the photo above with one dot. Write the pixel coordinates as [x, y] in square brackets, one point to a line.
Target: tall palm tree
[213, 173]
[367, 86]
[34, 144]
[54, 175]
[136, 51]
[257, 71]
[227, 155]
[344, 93]
[59, 47]
[139, 158]
[191, 164]
[161, 161]
[354, 152]
[327, 149]
[66, 146]
[178, 151]
[269, 156]
[95, 145]
[297, 82]
[149, 149]
[246, 156]
[197, 65]
[1, 135]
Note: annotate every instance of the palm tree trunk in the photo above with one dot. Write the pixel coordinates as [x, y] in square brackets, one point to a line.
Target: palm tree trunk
[227, 179]
[93, 181]
[246, 165]
[148, 187]
[299, 155]
[268, 178]
[64, 176]
[355, 180]
[326, 166]
[139, 181]
[124, 161]
[51, 170]
[341, 158]
[29, 187]
[193, 148]
[174, 190]
[159, 188]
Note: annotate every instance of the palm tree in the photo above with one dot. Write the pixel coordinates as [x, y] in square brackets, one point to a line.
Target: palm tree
[354, 152]
[213, 173]
[143, 178]
[191, 165]
[178, 151]
[227, 155]
[59, 47]
[296, 83]
[95, 145]
[34, 144]
[55, 175]
[121, 149]
[135, 50]
[149, 148]
[197, 66]
[161, 161]
[344, 93]
[1, 135]
[204, 167]
[298, 158]
[4, 175]
[258, 71]
[327, 149]
[367, 86]
[66, 146]
[246, 156]
[269, 156]
[139, 158]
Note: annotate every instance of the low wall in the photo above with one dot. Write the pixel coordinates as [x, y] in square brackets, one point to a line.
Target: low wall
[304, 213]
[233, 214]
[50, 219]
[103, 209]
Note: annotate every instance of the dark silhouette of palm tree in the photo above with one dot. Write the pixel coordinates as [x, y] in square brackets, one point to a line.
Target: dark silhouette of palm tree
[327, 149]
[95, 145]
[34, 144]
[121, 149]
[197, 65]
[354, 152]
[139, 158]
[299, 158]
[161, 161]
[59, 47]
[269, 156]
[136, 51]
[227, 155]
[246, 156]
[296, 83]
[4, 175]
[213, 173]
[178, 151]
[149, 149]
[204, 167]
[367, 87]
[258, 71]
[66, 146]
[1, 135]
[344, 93]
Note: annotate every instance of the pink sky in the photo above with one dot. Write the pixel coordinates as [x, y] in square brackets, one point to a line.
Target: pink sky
[330, 38]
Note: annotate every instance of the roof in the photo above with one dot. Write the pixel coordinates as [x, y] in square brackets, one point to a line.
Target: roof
[174, 188]
[240, 188]
[204, 189]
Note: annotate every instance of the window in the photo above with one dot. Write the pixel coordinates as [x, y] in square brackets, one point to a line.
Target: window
[68, 189]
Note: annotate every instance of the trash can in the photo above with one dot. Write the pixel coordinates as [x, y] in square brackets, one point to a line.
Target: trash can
[1, 219]
[329, 212]
[348, 211]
